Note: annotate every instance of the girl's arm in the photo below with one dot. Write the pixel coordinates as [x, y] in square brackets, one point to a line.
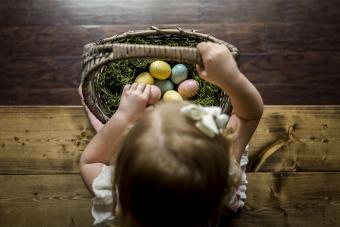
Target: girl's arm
[221, 69]
[103, 145]
[247, 112]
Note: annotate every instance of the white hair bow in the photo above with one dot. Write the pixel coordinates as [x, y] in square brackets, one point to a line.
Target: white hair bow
[210, 120]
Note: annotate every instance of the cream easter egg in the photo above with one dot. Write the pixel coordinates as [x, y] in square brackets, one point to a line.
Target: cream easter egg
[160, 70]
[155, 95]
[164, 85]
[188, 88]
[145, 78]
[172, 96]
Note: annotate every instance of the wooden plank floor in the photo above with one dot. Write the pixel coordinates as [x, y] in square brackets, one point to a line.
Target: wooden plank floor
[294, 176]
[290, 49]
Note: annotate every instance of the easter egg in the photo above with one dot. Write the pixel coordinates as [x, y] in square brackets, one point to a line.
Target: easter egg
[164, 85]
[179, 73]
[145, 78]
[155, 95]
[172, 96]
[160, 70]
[188, 88]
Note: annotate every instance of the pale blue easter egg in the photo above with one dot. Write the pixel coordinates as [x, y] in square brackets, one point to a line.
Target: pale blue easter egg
[179, 73]
[164, 85]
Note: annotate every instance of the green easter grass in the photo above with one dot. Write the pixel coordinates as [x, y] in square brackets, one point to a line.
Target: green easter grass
[118, 73]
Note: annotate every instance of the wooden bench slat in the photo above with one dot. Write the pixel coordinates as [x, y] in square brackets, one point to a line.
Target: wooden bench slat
[50, 139]
[42, 140]
[292, 199]
[44, 200]
[300, 138]
[282, 199]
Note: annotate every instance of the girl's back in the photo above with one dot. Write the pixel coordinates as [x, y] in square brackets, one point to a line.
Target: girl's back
[175, 166]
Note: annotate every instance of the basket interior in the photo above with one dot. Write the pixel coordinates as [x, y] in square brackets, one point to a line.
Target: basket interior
[110, 79]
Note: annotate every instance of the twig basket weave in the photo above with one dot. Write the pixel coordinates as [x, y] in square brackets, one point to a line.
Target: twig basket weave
[97, 55]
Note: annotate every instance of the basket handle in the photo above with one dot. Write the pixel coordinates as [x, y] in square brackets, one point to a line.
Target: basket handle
[180, 54]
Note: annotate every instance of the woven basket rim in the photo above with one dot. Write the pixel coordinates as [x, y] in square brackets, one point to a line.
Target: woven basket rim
[97, 54]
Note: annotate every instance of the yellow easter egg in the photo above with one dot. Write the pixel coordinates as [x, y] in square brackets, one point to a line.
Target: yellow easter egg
[172, 96]
[160, 70]
[145, 78]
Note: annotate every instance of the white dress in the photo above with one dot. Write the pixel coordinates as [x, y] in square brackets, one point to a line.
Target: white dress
[238, 196]
[103, 202]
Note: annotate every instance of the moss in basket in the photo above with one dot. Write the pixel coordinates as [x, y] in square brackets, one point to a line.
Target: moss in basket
[114, 77]
[118, 73]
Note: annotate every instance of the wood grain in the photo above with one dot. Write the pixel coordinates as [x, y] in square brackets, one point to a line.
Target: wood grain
[254, 11]
[295, 78]
[249, 37]
[299, 94]
[44, 200]
[79, 12]
[289, 68]
[42, 140]
[40, 96]
[35, 41]
[49, 140]
[303, 69]
[41, 80]
[302, 138]
[289, 49]
[291, 199]
[25, 12]
[282, 199]
[312, 11]
[39, 72]
[281, 78]
[302, 37]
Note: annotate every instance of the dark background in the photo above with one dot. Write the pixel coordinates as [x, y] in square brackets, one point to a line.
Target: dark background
[290, 49]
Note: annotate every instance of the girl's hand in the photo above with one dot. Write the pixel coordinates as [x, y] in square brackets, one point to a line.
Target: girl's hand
[133, 101]
[219, 65]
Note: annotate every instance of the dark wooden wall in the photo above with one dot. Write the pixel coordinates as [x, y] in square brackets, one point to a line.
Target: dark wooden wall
[290, 48]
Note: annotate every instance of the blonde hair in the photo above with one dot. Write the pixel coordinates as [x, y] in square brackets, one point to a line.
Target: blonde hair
[168, 173]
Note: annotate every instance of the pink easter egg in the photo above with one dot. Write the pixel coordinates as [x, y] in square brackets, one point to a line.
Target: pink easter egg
[155, 95]
[188, 88]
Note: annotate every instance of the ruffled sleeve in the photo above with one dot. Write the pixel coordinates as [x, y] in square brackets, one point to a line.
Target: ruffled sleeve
[102, 203]
[236, 199]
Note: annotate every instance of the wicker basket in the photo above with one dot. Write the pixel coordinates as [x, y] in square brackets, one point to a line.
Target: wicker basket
[97, 55]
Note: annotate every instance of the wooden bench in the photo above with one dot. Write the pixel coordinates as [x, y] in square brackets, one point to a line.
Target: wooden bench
[294, 177]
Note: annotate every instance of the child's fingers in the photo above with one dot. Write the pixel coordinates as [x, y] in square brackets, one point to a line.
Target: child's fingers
[149, 108]
[201, 71]
[126, 87]
[147, 91]
[134, 86]
[203, 47]
[140, 87]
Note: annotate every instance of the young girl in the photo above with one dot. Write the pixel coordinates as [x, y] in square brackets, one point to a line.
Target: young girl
[176, 164]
